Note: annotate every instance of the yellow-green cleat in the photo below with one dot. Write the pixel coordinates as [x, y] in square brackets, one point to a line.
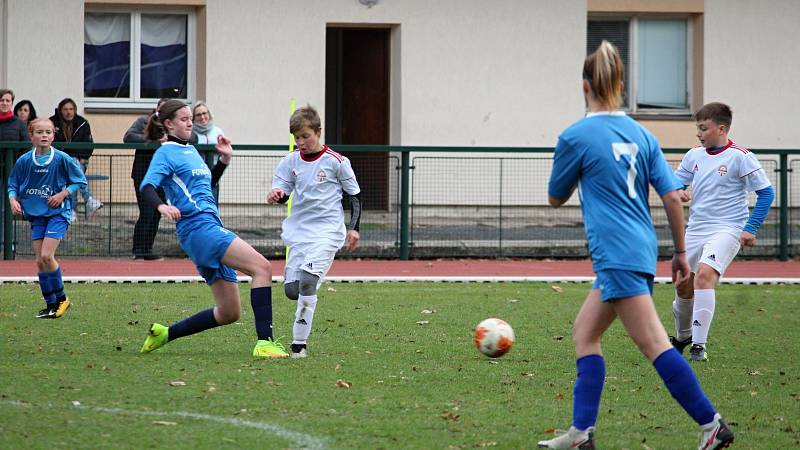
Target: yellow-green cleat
[267, 348]
[157, 337]
[62, 307]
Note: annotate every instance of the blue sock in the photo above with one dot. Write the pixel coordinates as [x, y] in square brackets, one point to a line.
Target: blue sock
[587, 391]
[57, 283]
[47, 291]
[684, 387]
[194, 324]
[261, 301]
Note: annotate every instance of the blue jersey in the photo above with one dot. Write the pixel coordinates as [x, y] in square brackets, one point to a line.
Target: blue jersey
[185, 177]
[613, 160]
[33, 183]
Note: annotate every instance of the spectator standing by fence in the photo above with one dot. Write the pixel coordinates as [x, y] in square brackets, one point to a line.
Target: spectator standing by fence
[71, 127]
[25, 111]
[205, 132]
[11, 129]
[146, 227]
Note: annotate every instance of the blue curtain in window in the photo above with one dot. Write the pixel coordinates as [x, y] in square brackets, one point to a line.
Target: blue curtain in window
[164, 56]
[106, 55]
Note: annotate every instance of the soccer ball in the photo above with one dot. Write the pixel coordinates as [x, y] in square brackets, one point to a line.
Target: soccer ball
[494, 337]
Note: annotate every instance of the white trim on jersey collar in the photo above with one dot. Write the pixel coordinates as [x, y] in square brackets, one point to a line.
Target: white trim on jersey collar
[605, 113]
[49, 160]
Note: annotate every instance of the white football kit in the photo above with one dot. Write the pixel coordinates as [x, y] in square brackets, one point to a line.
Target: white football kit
[720, 182]
[315, 230]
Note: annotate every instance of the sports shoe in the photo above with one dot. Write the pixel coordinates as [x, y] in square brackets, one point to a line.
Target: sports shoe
[48, 313]
[582, 440]
[267, 348]
[157, 337]
[716, 436]
[299, 351]
[92, 205]
[698, 352]
[680, 345]
[62, 307]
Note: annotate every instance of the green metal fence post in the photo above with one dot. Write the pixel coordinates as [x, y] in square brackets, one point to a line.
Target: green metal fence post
[8, 224]
[405, 170]
[783, 224]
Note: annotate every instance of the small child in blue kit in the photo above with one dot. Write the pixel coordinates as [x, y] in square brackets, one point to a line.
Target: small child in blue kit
[39, 189]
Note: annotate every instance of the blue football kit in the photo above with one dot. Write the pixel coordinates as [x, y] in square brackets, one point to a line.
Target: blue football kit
[186, 179]
[35, 179]
[612, 160]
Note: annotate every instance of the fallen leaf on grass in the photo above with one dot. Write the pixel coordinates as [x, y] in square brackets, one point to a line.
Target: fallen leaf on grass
[423, 322]
[447, 415]
[428, 311]
[556, 288]
[560, 396]
[164, 422]
[344, 384]
[177, 383]
[330, 289]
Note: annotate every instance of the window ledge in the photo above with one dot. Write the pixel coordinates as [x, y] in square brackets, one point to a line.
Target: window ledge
[684, 116]
[119, 107]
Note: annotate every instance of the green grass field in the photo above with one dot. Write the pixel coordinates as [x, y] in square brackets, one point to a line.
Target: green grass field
[417, 381]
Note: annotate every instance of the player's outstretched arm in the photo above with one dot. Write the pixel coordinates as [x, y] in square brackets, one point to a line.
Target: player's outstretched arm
[224, 149]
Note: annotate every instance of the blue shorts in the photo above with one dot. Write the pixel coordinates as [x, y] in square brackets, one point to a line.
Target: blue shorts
[205, 240]
[617, 283]
[54, 227]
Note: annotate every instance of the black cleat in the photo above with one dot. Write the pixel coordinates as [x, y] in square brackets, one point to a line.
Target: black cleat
[698, 353]
[47, 313]
[680, 345]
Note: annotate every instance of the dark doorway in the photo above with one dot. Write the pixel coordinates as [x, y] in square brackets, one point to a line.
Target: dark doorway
[357, 104]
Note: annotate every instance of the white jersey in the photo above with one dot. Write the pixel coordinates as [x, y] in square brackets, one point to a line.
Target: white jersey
[720, 182]
[316, 185]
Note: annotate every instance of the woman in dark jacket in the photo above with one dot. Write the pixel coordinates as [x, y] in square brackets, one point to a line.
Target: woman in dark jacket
[11, 129]
[71, 127]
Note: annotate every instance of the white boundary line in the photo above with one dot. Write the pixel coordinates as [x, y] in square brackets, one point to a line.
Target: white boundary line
[387, 279]
[297, 440]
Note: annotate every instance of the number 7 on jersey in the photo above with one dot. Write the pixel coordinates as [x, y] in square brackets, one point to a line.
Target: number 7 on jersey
[630, 149]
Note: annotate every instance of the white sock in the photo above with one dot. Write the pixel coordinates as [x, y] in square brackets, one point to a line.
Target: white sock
[303, 318]
[704, 302]
[682, 311]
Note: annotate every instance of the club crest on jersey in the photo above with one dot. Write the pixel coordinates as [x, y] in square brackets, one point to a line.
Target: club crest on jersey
[321, 177]
[722, 171]
[696, 168]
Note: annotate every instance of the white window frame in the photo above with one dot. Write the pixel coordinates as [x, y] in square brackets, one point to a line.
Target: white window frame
[135, 102]
[631, 85]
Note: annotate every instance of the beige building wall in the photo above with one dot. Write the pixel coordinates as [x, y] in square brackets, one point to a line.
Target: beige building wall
[468, 72]
[752, 63]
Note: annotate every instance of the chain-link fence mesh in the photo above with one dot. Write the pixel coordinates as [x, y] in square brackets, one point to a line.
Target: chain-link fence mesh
[461, 204]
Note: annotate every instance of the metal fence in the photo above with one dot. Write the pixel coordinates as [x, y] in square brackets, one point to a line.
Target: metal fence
[421, 202]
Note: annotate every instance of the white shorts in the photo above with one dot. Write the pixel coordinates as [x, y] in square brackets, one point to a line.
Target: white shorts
[315, 258]
[715, 250]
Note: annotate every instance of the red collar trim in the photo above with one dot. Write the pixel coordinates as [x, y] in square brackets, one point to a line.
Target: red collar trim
[720, 150]
[314, 156]
[6, 116]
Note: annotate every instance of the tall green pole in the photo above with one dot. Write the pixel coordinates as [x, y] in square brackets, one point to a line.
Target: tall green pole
[783, 225]
[405, 170]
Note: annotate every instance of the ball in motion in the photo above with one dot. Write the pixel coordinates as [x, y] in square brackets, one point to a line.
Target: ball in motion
[494, 337]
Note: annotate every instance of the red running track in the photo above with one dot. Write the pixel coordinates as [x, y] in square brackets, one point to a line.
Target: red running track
[393, 268]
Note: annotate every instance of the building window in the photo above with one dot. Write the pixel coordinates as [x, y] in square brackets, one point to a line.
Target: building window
[133, 58]
[657, 60]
